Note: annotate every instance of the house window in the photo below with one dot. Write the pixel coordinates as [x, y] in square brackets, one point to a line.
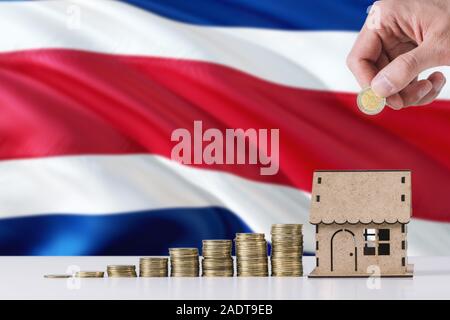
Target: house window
[370, 234]
[383, 234]
[377, 242]
[317, 262]
[370, 244]
[369, 248]
[403, 198]
[319, 180]
[403, 179]
[383, 249]
[317, 245]
[403, 245]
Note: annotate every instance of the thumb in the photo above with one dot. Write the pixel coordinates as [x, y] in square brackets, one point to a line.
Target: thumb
[401, 71]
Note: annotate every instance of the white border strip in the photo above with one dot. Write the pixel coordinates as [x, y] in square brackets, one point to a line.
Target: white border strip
[313, 60]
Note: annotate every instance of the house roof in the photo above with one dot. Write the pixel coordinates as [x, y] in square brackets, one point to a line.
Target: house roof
[361, 197]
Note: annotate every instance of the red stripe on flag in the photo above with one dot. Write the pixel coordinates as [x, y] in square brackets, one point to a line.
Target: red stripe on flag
[64, 102]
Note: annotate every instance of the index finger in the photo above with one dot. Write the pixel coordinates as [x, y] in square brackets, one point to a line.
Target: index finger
[364, 56]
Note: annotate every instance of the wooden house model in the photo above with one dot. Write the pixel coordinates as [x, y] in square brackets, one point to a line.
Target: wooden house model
[360, 219]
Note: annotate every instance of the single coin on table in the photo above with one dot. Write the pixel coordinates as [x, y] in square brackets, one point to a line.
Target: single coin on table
[57, 276]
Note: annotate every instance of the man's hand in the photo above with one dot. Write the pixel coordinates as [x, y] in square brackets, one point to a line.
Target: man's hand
[400, 39]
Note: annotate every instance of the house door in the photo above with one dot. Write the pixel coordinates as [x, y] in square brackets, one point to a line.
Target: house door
[343, 252]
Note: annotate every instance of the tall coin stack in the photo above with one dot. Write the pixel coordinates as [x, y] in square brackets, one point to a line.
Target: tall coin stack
[184, 262]
[287, 250]
[153, 267]
[121, 271]
[251, 255]
[217, 260]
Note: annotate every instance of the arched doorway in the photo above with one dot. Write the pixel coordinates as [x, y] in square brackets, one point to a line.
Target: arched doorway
[343, 251]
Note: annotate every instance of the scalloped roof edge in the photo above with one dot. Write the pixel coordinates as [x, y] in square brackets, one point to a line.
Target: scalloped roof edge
[362, 221]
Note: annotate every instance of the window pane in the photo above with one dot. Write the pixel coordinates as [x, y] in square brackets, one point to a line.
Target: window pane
[370, 234]
[383, 234]
[369, 251]
[370, 244]
[384, 249]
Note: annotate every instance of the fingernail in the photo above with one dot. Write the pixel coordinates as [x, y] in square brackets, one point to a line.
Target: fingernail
[382, 86]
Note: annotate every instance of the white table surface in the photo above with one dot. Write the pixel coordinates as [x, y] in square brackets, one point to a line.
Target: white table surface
[22, 278]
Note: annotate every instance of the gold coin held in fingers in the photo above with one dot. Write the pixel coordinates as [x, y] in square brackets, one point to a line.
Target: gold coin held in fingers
[369, 103]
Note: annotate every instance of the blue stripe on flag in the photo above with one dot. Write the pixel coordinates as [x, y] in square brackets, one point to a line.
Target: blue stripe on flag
[140, 233]
[275, 14]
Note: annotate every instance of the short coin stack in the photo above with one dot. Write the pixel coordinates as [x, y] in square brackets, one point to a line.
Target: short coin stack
[153, 267]
[217, 260]
[287, 250]
[121, 271]
[184, 262]
[251, 255]
[89, 274]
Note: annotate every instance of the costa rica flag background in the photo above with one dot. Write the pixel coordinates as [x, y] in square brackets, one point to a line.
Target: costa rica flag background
[90, 92]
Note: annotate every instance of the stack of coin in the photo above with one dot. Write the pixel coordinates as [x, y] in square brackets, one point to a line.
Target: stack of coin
[217, 260]
[153, 267]
[89, 274]
[287, 250]
[184, 262]
[121, 271]
[251, 255]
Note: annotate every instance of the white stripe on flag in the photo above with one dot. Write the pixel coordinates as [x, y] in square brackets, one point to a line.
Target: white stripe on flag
[126, 183]
[313, 60]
